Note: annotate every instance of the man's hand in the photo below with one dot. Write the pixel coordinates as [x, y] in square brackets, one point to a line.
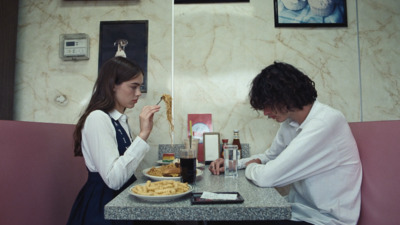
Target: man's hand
[216, 167]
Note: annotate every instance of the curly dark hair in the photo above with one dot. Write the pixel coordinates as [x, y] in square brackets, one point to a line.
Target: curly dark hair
[281, 86]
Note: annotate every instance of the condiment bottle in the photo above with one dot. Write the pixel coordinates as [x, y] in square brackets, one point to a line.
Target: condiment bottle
[224, 142]
[236, 141]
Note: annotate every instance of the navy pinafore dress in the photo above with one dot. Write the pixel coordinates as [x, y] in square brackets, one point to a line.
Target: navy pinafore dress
[88, 208]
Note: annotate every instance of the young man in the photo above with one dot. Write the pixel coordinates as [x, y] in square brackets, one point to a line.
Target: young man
[314, 150]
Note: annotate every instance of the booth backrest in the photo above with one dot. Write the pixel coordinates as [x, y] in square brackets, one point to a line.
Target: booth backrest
[39, 176]
[379, 146]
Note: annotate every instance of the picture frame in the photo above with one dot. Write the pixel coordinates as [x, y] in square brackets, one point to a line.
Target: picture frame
[127, 39]
[208, 1]
[308, 14]
[211, 141]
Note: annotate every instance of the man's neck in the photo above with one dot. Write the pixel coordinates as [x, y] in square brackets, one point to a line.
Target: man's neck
[300, 115]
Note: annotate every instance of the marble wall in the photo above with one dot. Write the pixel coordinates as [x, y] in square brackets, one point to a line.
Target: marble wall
[379, 58]
[205, 56]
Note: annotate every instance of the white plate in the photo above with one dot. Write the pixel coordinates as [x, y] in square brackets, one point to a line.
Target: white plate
[159, 198]
[166, 163]
[198, 173]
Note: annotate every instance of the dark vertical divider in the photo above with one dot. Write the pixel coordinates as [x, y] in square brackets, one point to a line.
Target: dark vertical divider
[8, 43]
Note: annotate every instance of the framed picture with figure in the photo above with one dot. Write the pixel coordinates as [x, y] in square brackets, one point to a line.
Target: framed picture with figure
[310, 13]
[208, 1]
[128, 39]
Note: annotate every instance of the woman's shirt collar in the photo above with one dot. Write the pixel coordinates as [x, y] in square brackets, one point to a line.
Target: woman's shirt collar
[116, 115]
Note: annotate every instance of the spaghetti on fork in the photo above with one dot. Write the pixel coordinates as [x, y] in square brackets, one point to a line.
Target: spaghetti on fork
[168, 102]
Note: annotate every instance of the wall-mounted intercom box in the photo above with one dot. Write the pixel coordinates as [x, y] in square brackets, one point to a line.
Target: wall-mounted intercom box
[74, 46]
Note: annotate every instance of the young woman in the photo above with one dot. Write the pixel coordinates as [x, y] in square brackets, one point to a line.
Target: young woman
[103, 137]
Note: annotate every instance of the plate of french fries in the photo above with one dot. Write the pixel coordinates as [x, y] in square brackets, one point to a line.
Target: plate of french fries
[166, 172]
[163, 190]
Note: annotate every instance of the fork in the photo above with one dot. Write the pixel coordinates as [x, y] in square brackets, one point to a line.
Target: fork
[160, 100]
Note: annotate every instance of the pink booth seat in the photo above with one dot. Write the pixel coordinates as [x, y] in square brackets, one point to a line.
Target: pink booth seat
[379, 146]
[39, 176]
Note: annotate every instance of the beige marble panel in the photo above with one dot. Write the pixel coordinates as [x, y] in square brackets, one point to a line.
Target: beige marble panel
[220, 48]
[380, 57]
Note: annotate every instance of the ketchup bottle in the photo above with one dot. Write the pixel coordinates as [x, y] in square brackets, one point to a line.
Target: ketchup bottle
[236, 141]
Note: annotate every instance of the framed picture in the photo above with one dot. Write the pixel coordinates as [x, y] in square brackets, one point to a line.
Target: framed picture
[208, 1]
[311, 13]
[211, 146]
[128, 39]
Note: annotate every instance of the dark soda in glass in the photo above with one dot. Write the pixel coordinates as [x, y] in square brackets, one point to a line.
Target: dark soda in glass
[188, 170]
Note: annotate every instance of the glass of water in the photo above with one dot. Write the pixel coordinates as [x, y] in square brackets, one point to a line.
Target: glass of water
[231, 156]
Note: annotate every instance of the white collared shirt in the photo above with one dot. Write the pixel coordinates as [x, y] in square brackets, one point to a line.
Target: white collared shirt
[100, 149]
[320, 159]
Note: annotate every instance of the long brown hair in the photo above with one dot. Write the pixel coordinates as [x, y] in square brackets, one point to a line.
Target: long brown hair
[113, 72]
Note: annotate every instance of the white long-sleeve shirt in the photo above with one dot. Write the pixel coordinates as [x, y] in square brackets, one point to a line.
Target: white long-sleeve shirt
[320, 159]
[100, 149]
